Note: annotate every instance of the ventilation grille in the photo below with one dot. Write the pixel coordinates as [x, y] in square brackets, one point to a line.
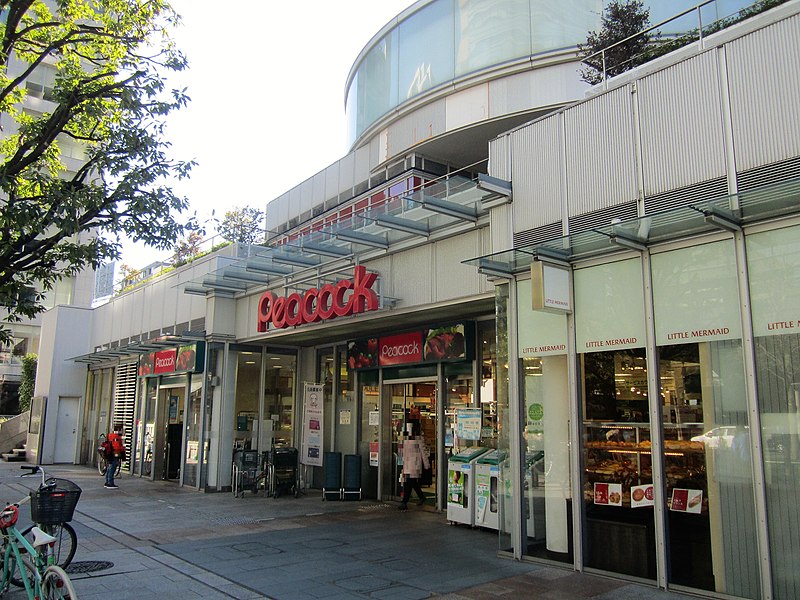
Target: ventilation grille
[774, 173]
[705, 190]
[125, 400]
[537, 235]
[603, 217]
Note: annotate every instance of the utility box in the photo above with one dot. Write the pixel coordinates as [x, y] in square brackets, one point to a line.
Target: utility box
[487, 489]
[461, 485]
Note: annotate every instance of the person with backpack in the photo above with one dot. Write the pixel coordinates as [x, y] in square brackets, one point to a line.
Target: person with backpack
[114, 455]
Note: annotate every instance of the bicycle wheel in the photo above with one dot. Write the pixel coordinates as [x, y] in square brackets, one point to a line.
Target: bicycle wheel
[101, 465]
[63, 549]
[56, 585]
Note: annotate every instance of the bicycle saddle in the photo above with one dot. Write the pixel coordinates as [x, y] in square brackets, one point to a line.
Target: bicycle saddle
[41, 538]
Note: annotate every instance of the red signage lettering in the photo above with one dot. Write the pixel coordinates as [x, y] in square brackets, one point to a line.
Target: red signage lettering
[164, 361]
[328, 302]
[400, 349]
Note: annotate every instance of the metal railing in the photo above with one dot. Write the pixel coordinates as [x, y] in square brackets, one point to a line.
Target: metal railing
[670, 42]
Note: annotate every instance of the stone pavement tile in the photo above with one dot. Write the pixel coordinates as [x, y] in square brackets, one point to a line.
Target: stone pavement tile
[401, 592]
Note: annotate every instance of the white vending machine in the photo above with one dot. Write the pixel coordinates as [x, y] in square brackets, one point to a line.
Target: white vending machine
[461, 485]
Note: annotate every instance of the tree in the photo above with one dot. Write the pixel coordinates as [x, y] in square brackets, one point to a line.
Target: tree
[187, 248]
[620, 20]
[242, 225]
[28, 381]
[97, 70]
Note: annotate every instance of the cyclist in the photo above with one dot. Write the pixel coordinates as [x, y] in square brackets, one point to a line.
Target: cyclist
[117, 455]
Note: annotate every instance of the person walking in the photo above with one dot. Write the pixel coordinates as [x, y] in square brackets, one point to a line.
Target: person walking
[415, 457]
[117, 455]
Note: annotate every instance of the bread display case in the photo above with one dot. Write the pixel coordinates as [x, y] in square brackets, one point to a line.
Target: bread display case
[619, 454]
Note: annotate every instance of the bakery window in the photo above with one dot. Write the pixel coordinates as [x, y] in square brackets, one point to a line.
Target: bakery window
[618, 493]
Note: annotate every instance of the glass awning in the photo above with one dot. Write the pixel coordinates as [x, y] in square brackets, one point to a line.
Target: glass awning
[319, 255]
[729, 213]
[136, 348]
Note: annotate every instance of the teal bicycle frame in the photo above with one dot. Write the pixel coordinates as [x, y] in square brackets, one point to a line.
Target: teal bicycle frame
[31, 578]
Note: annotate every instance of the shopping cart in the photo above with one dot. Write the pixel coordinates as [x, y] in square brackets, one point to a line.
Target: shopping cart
[283, 472]
[245, 472]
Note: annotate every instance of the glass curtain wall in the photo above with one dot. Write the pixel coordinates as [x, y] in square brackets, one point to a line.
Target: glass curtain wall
[149, 418]
[774, 269]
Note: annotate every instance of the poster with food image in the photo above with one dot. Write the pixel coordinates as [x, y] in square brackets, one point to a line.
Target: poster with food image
[146, 364]
[683, 500]
[642, 495]
[609, 494]
[362, 354]
[445, 343]
[187, 357]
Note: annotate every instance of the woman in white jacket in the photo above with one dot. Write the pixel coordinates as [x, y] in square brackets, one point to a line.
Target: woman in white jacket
[415, 458]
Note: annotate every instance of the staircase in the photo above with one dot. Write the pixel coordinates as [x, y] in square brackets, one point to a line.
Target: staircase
[13, 437]
[16, 455]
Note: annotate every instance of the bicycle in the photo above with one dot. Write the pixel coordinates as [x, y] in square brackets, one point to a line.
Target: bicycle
[32, 566]
[102, 461]
[52, 506]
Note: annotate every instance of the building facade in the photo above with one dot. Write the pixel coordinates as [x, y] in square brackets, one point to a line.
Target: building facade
[597, 284]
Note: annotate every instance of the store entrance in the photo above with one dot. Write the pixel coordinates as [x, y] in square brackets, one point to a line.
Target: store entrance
[411, 402]
[167, 444]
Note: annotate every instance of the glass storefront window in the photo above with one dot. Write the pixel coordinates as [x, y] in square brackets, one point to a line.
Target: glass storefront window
[610, 334]
[369, 437]
[708, 477]
[248, 377]
[617, 477]
[459, 397]
[192, 425]
[544, 426]
[149, 434]
[707, 467]
[774, 266]
[279, 394]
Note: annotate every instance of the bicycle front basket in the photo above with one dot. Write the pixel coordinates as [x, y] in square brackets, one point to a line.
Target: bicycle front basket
[55, 504]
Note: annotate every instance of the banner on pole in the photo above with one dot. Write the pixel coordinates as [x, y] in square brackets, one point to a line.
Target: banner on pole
[312, 425]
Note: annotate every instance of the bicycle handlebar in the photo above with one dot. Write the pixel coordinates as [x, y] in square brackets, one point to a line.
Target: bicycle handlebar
[34, 469]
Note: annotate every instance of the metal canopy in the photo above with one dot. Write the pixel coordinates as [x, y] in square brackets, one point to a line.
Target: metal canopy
[362, 238]
[400, 219]
[265, 267]
[727, 213]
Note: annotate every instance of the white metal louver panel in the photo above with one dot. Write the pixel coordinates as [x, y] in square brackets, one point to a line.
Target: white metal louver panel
[500, 167]
[600, 153]
[682, 139]
[124, 403]
[537, 168]
[764, 82]
[499, 164]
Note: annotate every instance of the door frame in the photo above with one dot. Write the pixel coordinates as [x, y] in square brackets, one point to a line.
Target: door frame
[388, 480]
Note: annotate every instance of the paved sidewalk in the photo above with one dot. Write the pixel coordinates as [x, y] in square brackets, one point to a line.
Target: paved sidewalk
[154, 540]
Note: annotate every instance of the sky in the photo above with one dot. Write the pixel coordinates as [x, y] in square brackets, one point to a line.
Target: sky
[266, 83]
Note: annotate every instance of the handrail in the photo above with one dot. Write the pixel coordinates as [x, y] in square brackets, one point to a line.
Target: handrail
[696, 8]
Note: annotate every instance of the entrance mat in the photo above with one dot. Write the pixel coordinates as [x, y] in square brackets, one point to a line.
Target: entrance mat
[88, 566]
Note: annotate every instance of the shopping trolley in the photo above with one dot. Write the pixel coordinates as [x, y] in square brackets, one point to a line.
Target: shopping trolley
[282, 471]
[245, 472]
